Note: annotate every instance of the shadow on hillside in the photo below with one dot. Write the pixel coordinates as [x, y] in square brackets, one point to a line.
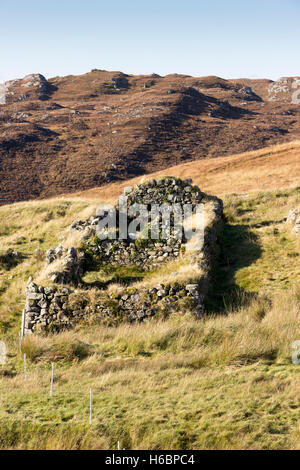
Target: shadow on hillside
[268, 223]
[239, 249]
[10, 259]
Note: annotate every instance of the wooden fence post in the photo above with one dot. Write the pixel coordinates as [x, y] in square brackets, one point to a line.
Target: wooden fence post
[23, 323]
[52, 380]
[91, 405]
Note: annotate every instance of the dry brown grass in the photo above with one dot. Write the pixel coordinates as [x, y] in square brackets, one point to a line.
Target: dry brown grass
[270, 168]
[182, 271]
[126, 132]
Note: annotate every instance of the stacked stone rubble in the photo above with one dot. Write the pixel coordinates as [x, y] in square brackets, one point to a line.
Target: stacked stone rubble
[153, 252]
[71, 265]
[45, 305]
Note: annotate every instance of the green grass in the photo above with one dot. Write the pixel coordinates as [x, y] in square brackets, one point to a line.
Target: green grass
[193, 417]
[260, 253]
[225, 382]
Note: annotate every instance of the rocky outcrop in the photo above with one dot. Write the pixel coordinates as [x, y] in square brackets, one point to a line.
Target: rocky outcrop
[32, 86]
[286, 89]
[248, 94]
[3, 92]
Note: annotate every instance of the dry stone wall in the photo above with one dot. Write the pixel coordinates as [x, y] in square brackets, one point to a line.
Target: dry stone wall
[71, 266]
[153, 252]
[68, 301]
[54, 309]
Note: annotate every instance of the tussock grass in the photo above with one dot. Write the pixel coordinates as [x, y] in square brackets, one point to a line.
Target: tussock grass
[62, 348]
[226, 382]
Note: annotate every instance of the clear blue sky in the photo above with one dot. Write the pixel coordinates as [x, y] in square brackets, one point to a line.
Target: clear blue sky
[229, 38]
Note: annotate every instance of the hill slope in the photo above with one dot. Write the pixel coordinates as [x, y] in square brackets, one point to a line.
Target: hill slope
[72, 133]
[225, 382]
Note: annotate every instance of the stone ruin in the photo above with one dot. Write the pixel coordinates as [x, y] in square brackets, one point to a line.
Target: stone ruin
[66, 299]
